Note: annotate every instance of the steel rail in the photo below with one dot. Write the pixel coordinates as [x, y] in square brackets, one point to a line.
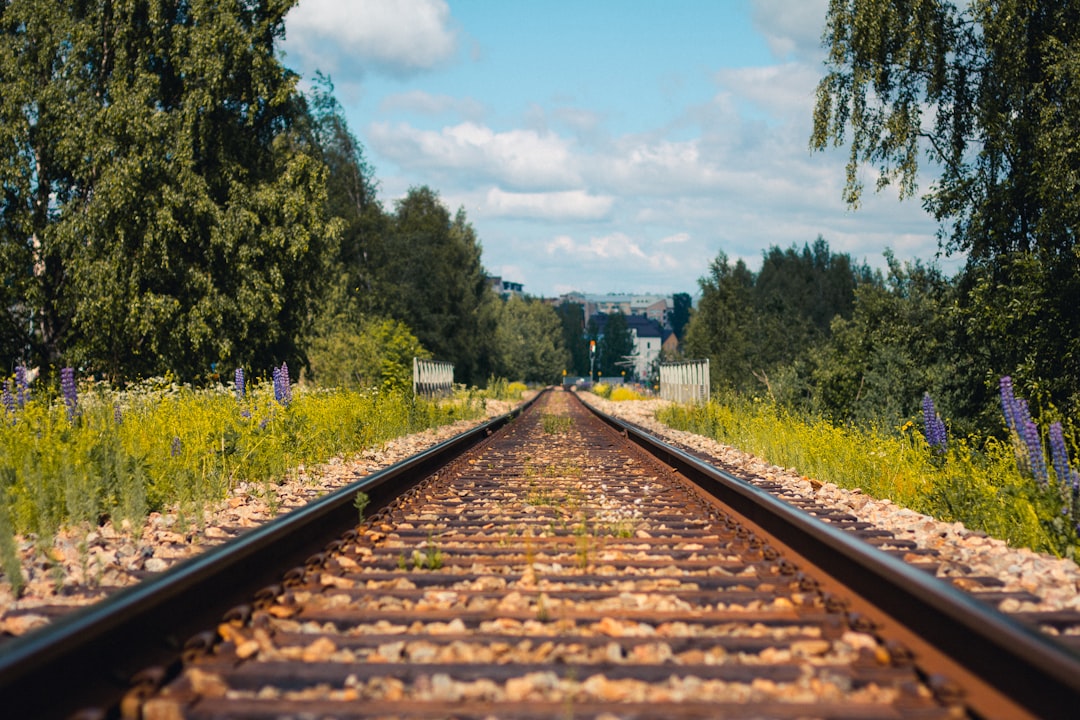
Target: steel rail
[89, 658]
[1030, 668]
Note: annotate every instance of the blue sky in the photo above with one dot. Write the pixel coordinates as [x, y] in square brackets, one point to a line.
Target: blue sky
[602, 145]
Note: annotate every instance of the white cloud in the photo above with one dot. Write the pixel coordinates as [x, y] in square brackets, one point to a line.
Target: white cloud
[792, 28]
[521, 159]
[566, 205]
[656, 168]
[783, 91]
[399, 37]
[618, 250]
[676, 239]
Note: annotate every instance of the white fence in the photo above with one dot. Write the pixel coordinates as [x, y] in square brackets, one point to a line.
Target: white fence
[685, 382]
[432, 377]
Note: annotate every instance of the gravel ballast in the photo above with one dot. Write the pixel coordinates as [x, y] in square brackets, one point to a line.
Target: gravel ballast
[85, 565]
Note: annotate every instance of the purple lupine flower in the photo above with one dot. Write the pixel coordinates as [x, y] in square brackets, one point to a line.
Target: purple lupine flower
[286, 385]
[22, 386]
[1032, 456]
[118, 416]
[1067, 477]
[1059, 455]
[1036, 459]
[1022, 415]
[277, 384]
[238, 382]
[282, 389]
[8, 399]
[69, 391]
[934, 428]
[1027, 443]
[175, 447]
[1008, 402]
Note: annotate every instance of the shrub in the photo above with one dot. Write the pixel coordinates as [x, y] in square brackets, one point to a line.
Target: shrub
[621, 392]
[376, 354]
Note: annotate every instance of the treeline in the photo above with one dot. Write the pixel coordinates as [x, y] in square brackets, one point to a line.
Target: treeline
[815, 331]
[173, 204]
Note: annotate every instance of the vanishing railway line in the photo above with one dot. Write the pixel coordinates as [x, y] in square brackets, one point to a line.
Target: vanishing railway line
[562, 567]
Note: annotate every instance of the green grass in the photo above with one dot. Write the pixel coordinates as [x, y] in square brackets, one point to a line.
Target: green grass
[554, 424]
[977, 482]
[182, 448]
[502, 389]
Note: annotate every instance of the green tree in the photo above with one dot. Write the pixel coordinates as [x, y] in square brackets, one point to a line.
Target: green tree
[616, 344]
[431, 278]
[351, 199]
[759, 327]
[159, 211]
[572, 320]
[680, 314]
[989, 93]
[796, 296]
[719, 329]
[529, 339]
[898, 344]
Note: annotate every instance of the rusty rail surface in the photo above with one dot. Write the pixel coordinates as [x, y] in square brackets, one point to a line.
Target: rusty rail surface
[556, 569]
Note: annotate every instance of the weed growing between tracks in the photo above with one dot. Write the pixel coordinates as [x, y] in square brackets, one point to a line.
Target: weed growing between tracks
[977, 483]
[120, 455]
[555, 424]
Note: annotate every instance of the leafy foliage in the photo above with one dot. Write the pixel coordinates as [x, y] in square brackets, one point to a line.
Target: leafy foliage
[752, 326]
[351, 200]
[372, 353]
[680, 313]
[158, 205]
[432, 280]
[572, 320]
[898, 343]
[989, 93]
[529, 337]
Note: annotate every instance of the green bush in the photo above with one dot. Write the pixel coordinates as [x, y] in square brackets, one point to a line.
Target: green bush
[377, 353]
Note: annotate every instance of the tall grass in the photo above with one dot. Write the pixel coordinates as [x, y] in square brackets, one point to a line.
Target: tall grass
[977, 483]
[121, 455]
[502, 389]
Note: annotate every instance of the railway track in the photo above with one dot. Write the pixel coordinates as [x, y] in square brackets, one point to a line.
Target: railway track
[562, 567]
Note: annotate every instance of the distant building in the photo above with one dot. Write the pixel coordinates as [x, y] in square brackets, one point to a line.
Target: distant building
[505, 288]
[648, 342]
[654, 307]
